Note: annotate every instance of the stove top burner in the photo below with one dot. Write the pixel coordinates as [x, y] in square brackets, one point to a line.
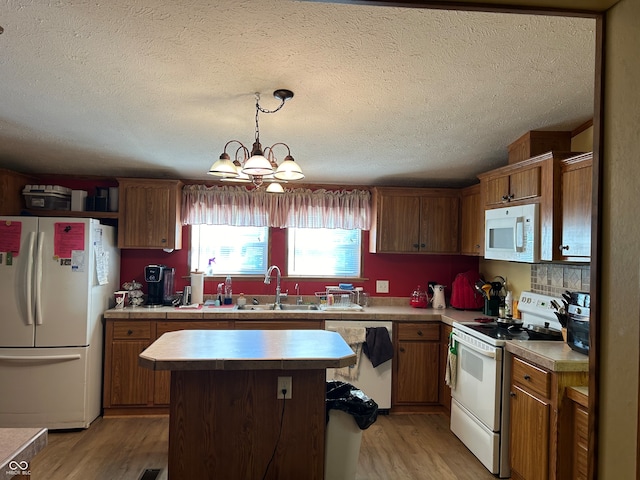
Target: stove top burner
[499, 332]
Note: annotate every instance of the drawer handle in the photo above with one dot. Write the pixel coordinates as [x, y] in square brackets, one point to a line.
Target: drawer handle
[527, 377]
[420, 333]
[129, 332]
[512, 394]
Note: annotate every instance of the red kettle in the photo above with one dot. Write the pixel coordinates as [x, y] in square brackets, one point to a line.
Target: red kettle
[419, 298]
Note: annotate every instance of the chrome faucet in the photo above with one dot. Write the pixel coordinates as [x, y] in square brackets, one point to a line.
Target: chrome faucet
[299, 300]
[267, 281]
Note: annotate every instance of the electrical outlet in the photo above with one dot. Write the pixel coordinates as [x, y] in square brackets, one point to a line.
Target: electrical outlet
[382, 286]
[284, 383]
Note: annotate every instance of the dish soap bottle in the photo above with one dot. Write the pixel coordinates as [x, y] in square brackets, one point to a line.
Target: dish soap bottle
[228, 298]
[508, 305]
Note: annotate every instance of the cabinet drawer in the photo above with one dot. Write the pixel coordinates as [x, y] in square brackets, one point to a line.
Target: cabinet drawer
[418, 331]
[130, 330]
[531, 377]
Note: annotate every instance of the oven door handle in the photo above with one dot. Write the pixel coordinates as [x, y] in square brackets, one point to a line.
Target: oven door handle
[490, 353]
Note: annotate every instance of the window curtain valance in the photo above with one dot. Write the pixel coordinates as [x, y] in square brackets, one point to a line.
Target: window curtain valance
[303, 208]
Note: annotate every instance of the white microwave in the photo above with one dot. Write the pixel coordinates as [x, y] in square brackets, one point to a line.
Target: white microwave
[513, 234]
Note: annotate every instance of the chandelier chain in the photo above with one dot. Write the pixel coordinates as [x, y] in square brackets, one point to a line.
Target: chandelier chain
[264, 110]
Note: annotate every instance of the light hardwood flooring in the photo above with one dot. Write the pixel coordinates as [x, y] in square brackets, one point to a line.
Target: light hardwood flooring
[398, 447]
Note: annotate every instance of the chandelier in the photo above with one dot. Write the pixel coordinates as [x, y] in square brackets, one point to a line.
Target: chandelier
[258, 166]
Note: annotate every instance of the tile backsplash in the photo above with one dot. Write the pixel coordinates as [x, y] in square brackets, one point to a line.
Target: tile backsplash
[551, 279]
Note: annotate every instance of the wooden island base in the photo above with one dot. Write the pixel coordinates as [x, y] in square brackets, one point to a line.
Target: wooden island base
[224, 413]
[229, 421]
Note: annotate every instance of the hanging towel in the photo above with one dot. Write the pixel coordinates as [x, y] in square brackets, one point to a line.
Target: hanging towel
[378, 347]
[355, 337]
[452, 363]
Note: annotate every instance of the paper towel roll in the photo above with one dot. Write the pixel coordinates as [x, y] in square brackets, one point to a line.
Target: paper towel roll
[197, 287]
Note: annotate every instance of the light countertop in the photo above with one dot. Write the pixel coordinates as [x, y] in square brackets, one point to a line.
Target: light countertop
[377, 313]
[17, 447]
[554, 356]
[248, 350]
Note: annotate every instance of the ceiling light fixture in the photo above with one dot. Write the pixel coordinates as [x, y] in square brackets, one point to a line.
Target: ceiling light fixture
[261, 165]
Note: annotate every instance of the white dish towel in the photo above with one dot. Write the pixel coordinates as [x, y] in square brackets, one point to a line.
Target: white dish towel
[452, 364]
[355, 337]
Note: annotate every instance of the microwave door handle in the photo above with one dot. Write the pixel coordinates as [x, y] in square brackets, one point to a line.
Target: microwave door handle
[518, 235]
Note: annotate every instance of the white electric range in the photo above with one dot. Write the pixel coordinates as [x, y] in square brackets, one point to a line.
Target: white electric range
[480, 397]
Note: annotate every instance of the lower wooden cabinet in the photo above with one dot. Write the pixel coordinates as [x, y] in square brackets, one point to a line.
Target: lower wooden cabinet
[131, 389]
[416, 372]
[126, 383]
[540, 441]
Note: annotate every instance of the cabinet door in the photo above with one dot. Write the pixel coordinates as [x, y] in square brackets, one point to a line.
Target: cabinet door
[576, 211]
[439, 224]
[130, 383]
[497, 190]
[417, 372]
[525, 184]
[471, 222]
[529, 435]
[149, 217]
[398, 227]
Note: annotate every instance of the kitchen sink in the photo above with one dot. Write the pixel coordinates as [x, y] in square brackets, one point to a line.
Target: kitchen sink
[282, 307]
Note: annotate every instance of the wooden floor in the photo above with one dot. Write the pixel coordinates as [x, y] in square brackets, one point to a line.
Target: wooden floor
[398, 447]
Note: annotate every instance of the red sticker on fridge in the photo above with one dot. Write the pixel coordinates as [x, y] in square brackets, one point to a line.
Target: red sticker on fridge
[67, 237]
[10, 233]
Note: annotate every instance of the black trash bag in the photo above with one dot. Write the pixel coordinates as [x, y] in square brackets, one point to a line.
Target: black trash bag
[344, 396]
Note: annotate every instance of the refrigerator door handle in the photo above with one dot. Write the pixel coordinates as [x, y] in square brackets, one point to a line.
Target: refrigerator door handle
[30, 255]
[43, 358]
[39, 278]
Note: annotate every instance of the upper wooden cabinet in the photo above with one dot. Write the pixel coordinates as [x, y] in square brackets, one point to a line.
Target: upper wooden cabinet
[535, 180]
[471, 221]
[515, 183]
[149, 213]
[11, 185]
[576, 177]
[536, 142]
[415, 220]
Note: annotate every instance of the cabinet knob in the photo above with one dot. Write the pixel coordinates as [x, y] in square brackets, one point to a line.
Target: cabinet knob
[129, 332]
[422, 245]
[415, 245]
[527, 377]
[563, 247]
[512, 394]
[419, 332]
[402, 349]
[505, 198]
[477, 246]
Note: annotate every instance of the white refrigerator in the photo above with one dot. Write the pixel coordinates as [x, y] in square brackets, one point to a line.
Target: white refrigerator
[57, 277]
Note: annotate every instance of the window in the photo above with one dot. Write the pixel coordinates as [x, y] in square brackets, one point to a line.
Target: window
[323, 252]
[226, 250]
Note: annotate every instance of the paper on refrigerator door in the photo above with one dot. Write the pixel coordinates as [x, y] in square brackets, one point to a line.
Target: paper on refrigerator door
[102, 265]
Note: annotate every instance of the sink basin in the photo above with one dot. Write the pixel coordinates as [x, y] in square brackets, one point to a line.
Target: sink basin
[309, 306]
[283, 307]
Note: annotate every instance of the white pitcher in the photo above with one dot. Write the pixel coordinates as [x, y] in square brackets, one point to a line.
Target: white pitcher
[438, 296]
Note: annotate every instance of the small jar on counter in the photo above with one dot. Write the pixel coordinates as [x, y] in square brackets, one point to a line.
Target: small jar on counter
[241, 301]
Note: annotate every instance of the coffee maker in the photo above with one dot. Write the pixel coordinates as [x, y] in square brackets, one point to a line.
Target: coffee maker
[159, 280]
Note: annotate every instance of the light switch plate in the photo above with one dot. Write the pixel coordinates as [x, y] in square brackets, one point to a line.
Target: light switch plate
[382, 286]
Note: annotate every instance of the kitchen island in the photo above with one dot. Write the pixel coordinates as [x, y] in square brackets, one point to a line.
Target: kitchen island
[225, 420]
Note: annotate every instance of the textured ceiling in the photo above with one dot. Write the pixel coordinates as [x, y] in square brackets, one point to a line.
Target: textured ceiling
[383, 95]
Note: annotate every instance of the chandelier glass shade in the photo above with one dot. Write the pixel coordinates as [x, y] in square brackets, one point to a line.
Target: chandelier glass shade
[260, 165]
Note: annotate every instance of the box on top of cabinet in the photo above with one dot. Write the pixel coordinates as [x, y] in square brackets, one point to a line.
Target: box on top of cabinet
[47, 197]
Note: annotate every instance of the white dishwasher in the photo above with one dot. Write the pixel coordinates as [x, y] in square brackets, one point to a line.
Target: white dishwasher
[374, 382]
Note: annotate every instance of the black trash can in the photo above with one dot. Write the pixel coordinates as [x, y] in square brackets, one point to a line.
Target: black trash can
[349, 411]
